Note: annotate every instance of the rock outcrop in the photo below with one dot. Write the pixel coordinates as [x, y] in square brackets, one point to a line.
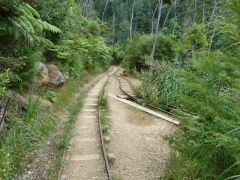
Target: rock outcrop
[49, 76]
[42, 77]
[56, 78]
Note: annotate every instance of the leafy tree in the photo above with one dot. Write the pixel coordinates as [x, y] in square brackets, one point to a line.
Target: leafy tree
[137, 53]
[196, 38]
[22, 35]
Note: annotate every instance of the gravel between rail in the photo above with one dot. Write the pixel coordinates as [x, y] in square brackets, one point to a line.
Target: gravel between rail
[84, 160]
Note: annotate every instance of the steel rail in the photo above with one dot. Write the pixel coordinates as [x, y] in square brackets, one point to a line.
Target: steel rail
[84, 91]
[103, 147]
[142, 102]
[109, 174]
[149, 105]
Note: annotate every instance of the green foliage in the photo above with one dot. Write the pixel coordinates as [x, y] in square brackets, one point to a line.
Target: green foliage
[21, 68]
[160, 88]
[118, 53]
[20, 21]
[234, 5]
[50, 95]
[212, 76]
[4, 80]
[25, 22]
[138, 51]
[102, 100]
[207, 145]
[82, 53]
[104, 112]
[196, 38]
[22, 134]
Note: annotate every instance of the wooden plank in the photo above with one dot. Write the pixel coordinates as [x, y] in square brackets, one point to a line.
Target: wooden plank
[149, 111]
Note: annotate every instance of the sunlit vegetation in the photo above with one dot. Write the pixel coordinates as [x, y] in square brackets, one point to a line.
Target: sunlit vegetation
[185, 52]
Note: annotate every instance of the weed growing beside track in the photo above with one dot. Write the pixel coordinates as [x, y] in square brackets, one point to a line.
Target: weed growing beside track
[21, 135]
[64, 143]
[71, 106]
[104, 115]
[26, 132]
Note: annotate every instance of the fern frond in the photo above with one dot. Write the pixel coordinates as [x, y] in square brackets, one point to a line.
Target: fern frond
[28, 23]
[32, 10]
[23, 24]
[25, 12]
[42, 40]
[27, 36]
[49, 27]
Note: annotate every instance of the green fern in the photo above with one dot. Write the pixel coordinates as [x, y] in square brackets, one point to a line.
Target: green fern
[48, 27]
[25, 23]
[32, 10]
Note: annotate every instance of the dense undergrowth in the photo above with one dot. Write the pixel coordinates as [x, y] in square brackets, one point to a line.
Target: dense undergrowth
[203, 82]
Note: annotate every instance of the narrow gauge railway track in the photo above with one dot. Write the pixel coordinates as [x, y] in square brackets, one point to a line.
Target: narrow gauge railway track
[156, 108]
[126, 88]
[84, 159]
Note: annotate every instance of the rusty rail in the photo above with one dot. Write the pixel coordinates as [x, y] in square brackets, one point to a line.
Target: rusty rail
[149, 105]
[103, 147]
[142, 102]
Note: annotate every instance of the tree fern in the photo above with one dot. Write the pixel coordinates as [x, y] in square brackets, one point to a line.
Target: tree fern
[25, 23]
[48, 27]
[32, 10]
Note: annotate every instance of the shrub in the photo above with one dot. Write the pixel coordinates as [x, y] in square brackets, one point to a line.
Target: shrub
[196, 38]
[82, 53]
[160, 88]
[4, 79]
[50, 95]
[208, 145]
[118, 53]
[137, 51]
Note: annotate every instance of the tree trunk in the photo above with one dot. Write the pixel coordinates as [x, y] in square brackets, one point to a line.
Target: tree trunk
[105, 8]
[213, 12]
[203, 12]
[168, 14]
[136, 23]
[210, 44]
[195, 12]
[160, 2]
[149, 3]
[130, 29]
[175, 14]
[215, 27]
[153, 17]
[113, 30]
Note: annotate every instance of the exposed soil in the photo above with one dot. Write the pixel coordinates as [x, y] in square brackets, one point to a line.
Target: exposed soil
[136, 140]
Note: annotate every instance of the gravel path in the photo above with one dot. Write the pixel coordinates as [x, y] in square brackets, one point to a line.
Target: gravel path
[136, 140]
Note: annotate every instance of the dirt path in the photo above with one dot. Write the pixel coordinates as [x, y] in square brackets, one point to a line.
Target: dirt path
[136, 139]
[84, 160]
